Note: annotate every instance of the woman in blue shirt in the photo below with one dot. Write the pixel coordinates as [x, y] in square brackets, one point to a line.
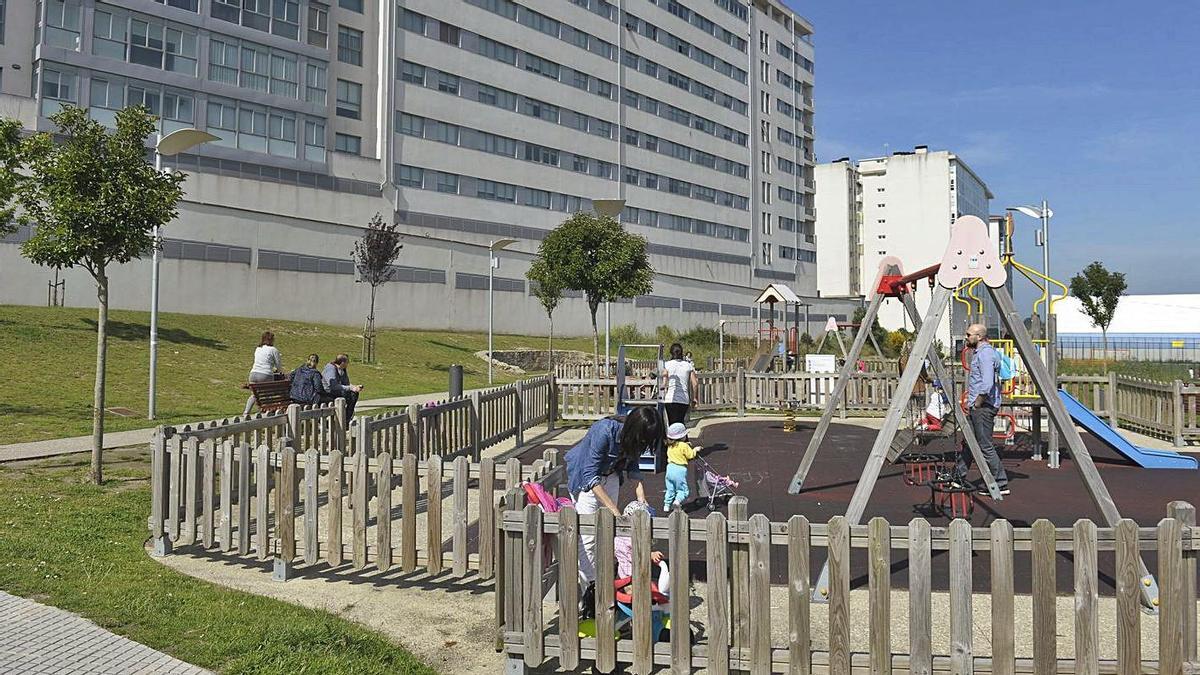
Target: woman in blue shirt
[598, 465]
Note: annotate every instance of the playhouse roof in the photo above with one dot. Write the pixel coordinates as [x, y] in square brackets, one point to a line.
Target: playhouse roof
[777, 293]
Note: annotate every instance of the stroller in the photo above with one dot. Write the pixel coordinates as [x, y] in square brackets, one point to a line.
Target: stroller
[713, 485]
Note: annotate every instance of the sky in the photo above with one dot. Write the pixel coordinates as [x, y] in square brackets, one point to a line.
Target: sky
[1092, 105]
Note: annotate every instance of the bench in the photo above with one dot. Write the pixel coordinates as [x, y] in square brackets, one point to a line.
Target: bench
[271, 396]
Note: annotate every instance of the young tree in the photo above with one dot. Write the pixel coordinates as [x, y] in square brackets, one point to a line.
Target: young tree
[10, 173]
[96, 201]
[373, 256]
[1099, 291]
[595, 255]
[548, 290]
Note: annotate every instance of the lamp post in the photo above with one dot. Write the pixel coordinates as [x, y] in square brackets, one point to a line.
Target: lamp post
[180, 140]
[493, 263]
[611, 208]
[1044, 213]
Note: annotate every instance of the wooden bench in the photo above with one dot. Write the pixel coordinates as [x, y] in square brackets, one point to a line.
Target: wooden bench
[271, 396]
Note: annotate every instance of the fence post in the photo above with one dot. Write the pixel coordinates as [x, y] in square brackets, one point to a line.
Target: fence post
[293, 425]
[1185, 513]
[476, 426]
[551, 402]
[1177, 412]
[1111, 403]
[414, 429]
[519, 413]
[159, 472]
[741, 391]
[340, 424]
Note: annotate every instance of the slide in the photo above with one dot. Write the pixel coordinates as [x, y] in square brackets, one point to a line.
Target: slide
[1143, 457]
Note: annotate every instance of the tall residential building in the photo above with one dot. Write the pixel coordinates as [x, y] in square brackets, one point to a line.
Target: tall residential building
[467, 121]
[909, 202]
[839, 228]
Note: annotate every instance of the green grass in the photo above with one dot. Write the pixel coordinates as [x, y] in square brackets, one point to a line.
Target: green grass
[79, 547]
[202, 360]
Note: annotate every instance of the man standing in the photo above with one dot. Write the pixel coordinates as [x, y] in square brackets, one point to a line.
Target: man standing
[336, 382]
[983, 396]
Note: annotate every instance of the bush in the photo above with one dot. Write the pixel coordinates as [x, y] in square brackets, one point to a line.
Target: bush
[806, 340]
[665, 335]
[700, 337]
[894, 342]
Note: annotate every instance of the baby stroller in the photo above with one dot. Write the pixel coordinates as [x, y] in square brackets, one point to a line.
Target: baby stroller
[713, 485]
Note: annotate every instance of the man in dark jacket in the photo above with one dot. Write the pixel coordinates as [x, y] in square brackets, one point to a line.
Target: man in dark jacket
[336, 382]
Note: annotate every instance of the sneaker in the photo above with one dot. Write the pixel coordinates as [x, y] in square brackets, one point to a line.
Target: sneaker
[1003, 491]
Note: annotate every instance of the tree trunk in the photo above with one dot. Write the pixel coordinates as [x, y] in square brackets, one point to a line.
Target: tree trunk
[596, 342]
[1104, 341]
[550, 344]
[97, 474]
[369, 333]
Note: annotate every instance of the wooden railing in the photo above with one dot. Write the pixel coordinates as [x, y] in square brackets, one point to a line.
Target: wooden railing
[1169, 410]
[326, 506]
[1188, 412]
[322, 426]
[730, 624]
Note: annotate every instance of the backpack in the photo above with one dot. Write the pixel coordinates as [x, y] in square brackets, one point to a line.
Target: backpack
[1006, 369]
[304, 387]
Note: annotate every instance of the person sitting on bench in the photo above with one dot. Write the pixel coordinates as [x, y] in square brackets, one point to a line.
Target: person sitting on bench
[267, 362]
[336, 383]
[306, 382]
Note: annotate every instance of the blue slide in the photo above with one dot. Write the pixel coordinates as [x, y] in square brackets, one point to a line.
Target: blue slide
[1143, 457]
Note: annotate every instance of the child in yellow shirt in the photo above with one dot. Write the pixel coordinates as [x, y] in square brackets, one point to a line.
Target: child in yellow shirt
[679, 453]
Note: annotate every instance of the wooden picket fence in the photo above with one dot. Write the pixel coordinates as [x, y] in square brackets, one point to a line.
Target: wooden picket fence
[1169, 410]
[734, 628]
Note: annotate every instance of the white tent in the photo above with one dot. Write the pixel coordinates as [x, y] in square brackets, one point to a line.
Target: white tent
[1167, 315]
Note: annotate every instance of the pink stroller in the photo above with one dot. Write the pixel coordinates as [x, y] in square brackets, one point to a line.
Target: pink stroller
[713, 485]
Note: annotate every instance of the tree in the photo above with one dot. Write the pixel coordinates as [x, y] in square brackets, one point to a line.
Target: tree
[373, 257]
[548, 290]
[1099, 291]
[595, 255]
[878, 332]
[10, 174]
[96, 201]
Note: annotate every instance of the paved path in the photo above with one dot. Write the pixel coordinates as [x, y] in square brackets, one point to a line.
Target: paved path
[124, 439]
[37, 639]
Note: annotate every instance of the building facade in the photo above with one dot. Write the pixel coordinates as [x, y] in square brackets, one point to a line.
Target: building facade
[839, 228]
[465, 120]
[909, 201]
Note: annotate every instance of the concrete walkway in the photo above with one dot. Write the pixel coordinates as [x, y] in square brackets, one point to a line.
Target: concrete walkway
[35, 638]
[124, 439]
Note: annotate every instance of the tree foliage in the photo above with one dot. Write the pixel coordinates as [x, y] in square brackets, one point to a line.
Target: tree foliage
[96, 201]
[547, 288]
[10, 174]
[593, 254]
[877, 331]
[1099, 291]
[375, 252]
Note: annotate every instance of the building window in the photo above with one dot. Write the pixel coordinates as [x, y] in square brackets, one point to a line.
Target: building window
[766, 102]
[181, 52]
[281, 132]
[766, 223]
[765, 69]
[764, 41]
[410, 176]
[537, 198]
[541, 154]
[252, 129]
[766, 253]
[222, 122]
[501, 192]
[62, 23]
[350, 45]
[411, 21]
[314, 141]
[3, 12]
[58, 89]
[222, 62]
[316, 83]
[766, 192]
[349, 99]
[179, 111]
[449, 34]
[413, 72]
[766, 162]
[411, 125]
[285, 18]
[285, 76]
[105, 100]
[255, 68]
[448, 83]
[347, 143]
[318, 25]
[536, 64]
[352, 5]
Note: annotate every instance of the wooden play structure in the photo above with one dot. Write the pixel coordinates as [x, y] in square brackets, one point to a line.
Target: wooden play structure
[969, 260]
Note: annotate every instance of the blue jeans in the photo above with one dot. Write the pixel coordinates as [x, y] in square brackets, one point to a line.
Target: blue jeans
[677, 487]
[982, 421]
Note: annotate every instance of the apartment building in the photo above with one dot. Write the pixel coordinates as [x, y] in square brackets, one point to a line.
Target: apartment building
[909, 201]
[839, 228]
[467, 121]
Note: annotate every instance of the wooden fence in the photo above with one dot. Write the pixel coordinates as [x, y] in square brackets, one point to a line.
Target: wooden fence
[732, 625]
[1168, 410]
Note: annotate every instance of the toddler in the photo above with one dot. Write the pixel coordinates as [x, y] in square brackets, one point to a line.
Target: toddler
[679, 453]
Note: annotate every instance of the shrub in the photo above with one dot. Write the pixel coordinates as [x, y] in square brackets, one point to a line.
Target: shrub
[700, 336]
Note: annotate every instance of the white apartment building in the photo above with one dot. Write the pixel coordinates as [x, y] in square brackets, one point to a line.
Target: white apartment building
[839, 229]
[466, 121]
[909, 202]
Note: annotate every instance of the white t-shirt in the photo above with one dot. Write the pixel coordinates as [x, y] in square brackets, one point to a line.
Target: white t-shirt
[679, 374]
[266, 360]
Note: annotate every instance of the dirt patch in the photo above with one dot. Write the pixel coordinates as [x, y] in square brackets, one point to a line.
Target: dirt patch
[534, 360]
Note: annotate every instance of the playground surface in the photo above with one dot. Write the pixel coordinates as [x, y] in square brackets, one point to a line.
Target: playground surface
[762, 457]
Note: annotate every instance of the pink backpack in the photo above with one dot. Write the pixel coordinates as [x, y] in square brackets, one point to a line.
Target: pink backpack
[536, 494]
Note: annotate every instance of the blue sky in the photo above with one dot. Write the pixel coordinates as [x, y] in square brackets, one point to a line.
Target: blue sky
[1093, 105]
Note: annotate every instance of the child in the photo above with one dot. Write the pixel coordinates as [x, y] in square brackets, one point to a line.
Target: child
[679, 453]
[623, 549]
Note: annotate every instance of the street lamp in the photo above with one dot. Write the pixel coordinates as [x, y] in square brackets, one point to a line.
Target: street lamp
[493, 263]
[180, 140]
[611, 208]
[1042, 238]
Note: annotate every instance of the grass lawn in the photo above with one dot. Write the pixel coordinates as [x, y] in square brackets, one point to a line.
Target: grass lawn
[202, 360]
[79, 547]
[1163, 371]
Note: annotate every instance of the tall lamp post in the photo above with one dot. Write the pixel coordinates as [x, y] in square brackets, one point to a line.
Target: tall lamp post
[1042, 239]
[180, 140]
[493, 263]
[611, 208]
